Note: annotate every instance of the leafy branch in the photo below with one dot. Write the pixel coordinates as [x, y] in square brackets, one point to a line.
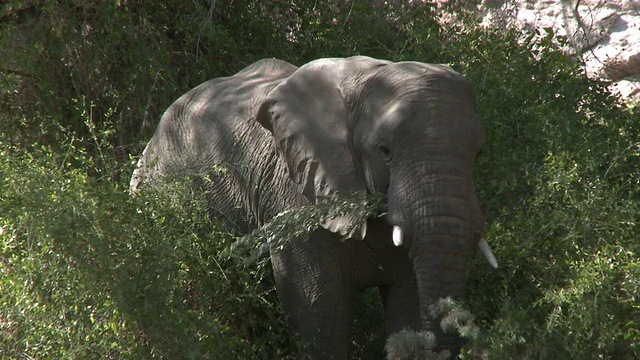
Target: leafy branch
[297, 223]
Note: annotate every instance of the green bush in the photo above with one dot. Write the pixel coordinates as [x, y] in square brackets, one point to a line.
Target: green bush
[89, 272]
[558, 180]
[83, 67]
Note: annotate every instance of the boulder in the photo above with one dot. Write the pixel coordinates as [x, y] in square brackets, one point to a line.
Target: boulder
[623, 65]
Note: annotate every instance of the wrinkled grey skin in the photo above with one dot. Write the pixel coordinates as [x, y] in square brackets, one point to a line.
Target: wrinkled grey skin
[286, 135]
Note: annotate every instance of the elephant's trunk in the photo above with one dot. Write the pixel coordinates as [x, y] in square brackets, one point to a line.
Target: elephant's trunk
[439, 220]
[440, 252]
[440, 274]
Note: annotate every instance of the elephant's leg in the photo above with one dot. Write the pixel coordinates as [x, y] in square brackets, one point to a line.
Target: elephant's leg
[316, 292]
[401, 305]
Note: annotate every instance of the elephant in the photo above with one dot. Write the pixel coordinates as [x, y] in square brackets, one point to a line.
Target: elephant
[275, 137]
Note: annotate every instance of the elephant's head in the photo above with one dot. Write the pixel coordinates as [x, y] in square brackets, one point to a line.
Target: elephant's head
[408, 129]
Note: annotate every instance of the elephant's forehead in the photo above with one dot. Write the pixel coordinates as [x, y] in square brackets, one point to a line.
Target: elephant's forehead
[417, 79]
[417, 70]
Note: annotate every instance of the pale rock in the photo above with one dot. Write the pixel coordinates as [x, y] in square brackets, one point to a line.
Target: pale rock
[604, 34]
[624, 64]
[628, 88]
[623, 5]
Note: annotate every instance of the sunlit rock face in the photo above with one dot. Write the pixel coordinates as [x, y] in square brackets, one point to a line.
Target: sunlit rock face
[605, 34]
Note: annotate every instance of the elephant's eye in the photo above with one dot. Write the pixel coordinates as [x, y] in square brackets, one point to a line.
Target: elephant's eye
[385, 152]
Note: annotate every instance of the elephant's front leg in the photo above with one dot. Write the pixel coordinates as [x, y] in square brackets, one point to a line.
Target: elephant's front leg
[401, 304]
[316, 292]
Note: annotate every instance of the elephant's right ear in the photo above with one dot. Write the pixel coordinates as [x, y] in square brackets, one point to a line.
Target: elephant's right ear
[310, 122]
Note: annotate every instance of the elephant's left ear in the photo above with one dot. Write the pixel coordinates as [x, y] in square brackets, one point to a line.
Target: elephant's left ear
[310, 122]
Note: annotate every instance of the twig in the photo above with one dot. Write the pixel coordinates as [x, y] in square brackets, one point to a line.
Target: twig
[209, 17]
[146, 109]
[349, 13]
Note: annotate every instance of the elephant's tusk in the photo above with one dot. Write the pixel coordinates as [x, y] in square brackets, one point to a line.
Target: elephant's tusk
[397, 235]
[486, 251]
[363, 230]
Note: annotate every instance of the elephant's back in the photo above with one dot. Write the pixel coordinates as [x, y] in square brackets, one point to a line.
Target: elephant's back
[220, 112]
[210, 134]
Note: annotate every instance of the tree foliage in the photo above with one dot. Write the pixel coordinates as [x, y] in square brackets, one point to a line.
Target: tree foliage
[90, 272]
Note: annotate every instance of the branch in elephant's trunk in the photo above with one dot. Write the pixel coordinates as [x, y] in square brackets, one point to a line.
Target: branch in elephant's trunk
[455, 318]
[408, 344]
[298, 223]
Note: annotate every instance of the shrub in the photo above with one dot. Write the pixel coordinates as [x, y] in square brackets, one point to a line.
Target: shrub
[559, 184]
[89, 272]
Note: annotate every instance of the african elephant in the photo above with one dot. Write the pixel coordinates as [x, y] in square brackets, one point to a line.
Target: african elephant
[287, 136]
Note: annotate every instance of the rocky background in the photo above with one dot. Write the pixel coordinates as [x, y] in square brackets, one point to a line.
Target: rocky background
[604, 34]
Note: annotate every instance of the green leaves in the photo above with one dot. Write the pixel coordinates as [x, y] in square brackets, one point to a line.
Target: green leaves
[87, 270]
[558, 180]
[296, 224]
